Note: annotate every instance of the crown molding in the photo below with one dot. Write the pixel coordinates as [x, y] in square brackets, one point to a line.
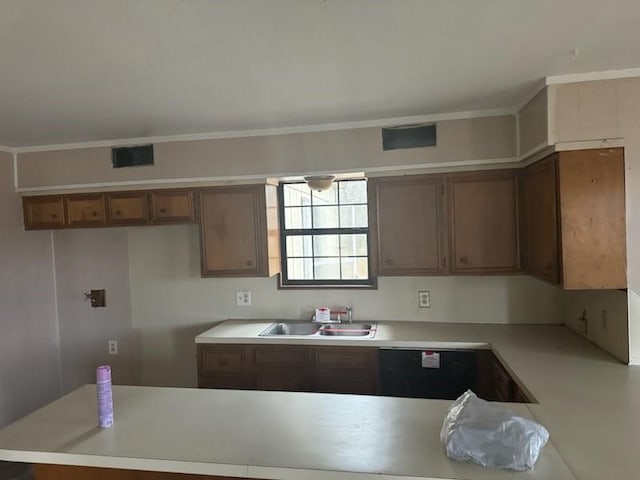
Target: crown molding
[592, 76]
[7, 149]
[384, 122]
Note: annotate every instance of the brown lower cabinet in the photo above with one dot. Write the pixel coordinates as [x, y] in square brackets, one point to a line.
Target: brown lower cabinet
[299, 368]
[326, 369]
[72, 472]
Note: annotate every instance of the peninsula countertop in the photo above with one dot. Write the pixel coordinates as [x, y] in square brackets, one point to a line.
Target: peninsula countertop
[588, 400]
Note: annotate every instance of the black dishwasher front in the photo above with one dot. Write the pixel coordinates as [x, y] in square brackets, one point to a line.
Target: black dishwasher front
[439, 374]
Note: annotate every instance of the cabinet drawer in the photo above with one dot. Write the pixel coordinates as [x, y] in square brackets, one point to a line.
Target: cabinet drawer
[216, 360]
[281, 356]
[342, 358]
[86, 210]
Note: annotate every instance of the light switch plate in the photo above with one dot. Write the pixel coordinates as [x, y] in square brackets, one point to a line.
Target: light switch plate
[243, 298]
[424, 299]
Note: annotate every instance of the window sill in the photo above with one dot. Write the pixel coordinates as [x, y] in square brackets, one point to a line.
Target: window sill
[319, 286]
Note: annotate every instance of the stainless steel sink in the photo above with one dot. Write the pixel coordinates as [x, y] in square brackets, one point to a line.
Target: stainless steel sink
[347, 330]
[305, 329]
[290, 328]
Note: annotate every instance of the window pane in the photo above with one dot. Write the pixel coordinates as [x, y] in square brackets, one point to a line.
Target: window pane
[352, 245]
[355, 268]
[326, 197]
[326, 246]
[296, 194]
[297, 217]
[299, 246]
[327, 268]
[300, 269]
[353, 216]
[325, 217]
[353, 191]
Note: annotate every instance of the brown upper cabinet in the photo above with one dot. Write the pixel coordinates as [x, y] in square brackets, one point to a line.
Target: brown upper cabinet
[86, 210]
[109, 209]
[483, 223]
[585, 211]
[239, 234]
[539, 227]
[172, 206]
[43, 212]
[127, 208]
[407, 225]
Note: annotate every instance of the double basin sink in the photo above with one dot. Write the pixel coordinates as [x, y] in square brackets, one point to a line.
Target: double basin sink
[305, 329]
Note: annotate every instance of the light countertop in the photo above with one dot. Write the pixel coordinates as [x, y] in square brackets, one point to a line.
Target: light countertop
[588, 401]
[276, 435]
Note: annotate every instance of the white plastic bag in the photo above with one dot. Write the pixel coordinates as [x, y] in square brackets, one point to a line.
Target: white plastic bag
[476, 430]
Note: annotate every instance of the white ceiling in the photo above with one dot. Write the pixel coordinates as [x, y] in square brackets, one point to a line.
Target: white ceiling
[88, 70]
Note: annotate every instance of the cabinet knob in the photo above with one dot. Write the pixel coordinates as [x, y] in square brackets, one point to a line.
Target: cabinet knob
[389, 262]
[162, 210]
[249, 263]
[464, 260]
[95, 214]
[548, 267]
[118, 213]
[53, 215]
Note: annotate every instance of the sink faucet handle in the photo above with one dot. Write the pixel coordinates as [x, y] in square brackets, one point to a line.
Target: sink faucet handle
[349, 311]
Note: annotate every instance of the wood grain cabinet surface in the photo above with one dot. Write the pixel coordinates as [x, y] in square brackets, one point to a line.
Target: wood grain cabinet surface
[85, 210]
[574, 219]
[406, 217]
[172, 206]
[297, 368]
[43, 212]
[239, 231]
[483, 223]
[127, 208]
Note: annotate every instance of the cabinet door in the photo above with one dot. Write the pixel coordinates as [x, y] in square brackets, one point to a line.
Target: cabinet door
[233, 232]
[129, 208]
[172, 206]
[483, 225]
[86, 210]
[540, 221]
[345, 370]
[43, 212]
[406, 218]
[592, 206]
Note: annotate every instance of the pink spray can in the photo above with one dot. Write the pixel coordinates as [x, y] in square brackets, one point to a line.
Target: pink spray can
[105, 396]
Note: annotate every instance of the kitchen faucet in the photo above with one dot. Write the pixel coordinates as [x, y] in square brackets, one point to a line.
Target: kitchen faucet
[346, 311]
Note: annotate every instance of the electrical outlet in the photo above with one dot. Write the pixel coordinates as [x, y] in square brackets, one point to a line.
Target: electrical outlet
[243, 298]
[424, 299]
[113, 347]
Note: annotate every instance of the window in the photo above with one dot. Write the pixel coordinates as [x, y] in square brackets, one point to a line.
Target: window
[325, 235]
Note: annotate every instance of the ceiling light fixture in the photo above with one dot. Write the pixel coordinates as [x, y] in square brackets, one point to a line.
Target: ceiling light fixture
[320, 182]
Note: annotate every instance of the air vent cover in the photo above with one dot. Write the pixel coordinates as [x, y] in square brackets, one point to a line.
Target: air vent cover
[132, 156]
[409, 136]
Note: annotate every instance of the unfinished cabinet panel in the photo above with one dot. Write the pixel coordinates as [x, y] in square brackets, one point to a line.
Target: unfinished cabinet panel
[592, 212]
[238, 231]
[406, 225]
[539, 222]
[85, 210]
[127, 208]
[172, 206]
[483, 223]
[43, 212]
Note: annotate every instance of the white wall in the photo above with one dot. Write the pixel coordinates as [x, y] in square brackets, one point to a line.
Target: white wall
[89, 259]
[607, 319]
[171, 303]
[29, 342]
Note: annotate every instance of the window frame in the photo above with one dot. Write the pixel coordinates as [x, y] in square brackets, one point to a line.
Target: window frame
[285, 282]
